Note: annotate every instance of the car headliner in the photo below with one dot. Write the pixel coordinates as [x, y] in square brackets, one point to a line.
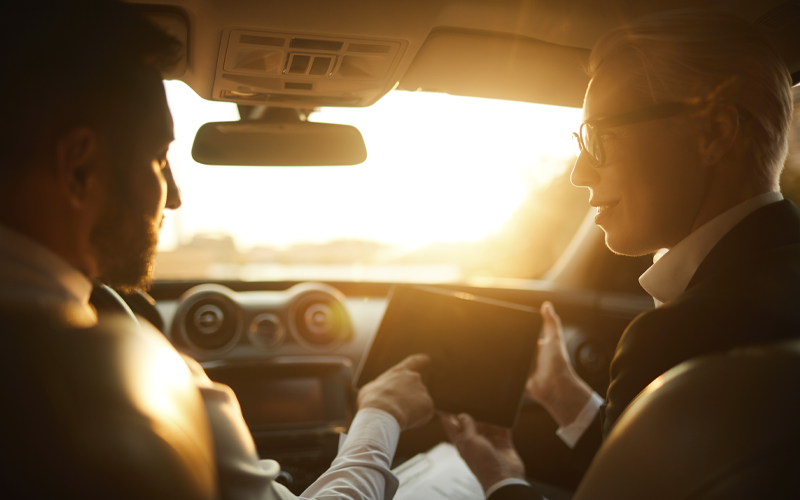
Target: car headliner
[508, 49]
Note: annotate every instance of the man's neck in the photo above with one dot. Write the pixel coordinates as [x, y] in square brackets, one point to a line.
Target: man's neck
[39, 216]
[731, 186]
[670, 275]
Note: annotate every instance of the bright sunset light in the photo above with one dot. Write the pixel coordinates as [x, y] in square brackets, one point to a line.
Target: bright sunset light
[440, 168]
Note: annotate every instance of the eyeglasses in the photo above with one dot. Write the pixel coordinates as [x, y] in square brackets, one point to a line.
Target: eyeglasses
[589, 138]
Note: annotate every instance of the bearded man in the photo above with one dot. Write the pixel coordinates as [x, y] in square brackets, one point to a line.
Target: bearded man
[84, 184]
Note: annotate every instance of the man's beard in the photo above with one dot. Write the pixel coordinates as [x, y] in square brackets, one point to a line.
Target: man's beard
[124, 242]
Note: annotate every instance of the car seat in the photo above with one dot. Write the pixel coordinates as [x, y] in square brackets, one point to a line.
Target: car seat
[718, 427]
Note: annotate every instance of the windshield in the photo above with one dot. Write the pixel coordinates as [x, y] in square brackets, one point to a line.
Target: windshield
[454, 189]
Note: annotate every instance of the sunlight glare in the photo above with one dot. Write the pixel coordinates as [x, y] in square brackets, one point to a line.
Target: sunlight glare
[439, 168]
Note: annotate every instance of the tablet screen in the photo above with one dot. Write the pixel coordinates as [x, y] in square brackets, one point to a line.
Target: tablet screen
[481, 349]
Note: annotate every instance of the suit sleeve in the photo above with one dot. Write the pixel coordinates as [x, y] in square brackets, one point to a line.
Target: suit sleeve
[586, 448]
[652, 344]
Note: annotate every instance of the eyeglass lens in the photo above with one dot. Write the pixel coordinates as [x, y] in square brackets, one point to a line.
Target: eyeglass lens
[588, 141]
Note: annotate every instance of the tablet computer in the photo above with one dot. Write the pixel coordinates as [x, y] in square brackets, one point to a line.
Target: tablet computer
[481, 349]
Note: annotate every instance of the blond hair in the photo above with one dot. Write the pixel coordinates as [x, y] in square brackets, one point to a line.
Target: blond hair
[694, 55]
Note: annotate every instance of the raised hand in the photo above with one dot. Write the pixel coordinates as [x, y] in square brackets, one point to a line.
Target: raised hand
[554, 383]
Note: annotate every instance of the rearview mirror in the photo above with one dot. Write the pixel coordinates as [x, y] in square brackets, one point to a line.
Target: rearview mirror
[295, 144]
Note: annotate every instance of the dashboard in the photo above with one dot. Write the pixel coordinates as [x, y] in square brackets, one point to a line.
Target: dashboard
[289, 355]
[213, 322]
[289, 352]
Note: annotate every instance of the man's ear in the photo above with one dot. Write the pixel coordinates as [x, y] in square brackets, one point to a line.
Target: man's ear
[718, 133]
[77, 162]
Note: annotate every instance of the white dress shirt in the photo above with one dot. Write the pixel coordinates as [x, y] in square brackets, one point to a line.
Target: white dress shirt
[30, 273]
[669, 276]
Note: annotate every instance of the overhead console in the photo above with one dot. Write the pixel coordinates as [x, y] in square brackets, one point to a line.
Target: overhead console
[304, 71]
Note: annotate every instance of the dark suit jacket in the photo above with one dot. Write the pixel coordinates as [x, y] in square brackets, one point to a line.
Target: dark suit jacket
[746, 291]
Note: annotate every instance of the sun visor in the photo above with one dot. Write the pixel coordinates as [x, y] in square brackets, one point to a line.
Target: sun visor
[304, 71]
[498, 66]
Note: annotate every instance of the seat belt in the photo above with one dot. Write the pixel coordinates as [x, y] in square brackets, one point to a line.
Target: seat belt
[105, 300]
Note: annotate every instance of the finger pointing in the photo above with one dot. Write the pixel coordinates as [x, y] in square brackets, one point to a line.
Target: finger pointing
[415, 362]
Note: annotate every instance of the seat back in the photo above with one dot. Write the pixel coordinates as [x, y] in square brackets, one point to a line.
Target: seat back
[103, 412]
[719, 427]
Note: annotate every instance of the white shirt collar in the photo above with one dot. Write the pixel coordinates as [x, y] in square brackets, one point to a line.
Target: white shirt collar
[29, 272]
[671, 274]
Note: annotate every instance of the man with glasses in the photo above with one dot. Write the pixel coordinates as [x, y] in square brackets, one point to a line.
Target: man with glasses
[685, 131]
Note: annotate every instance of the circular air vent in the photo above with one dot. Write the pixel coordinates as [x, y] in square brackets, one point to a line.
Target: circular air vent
[266, 331]
[318, 320]
[209, 321]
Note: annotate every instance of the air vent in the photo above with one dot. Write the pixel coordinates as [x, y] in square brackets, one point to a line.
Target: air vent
[781, 16]
[318, 320]
[262, 40]
[266, 331]
[368, 48]
[308, 44]
[210, 324]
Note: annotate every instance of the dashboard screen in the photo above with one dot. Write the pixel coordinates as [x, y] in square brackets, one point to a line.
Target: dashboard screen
[287, 395]
[294, 400]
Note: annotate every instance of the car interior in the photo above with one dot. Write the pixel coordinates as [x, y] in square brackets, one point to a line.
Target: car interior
[288, 328]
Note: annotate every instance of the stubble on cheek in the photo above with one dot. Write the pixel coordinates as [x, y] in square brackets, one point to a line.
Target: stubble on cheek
[124, 241]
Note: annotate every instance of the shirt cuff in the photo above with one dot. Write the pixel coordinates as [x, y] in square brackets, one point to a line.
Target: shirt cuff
[505, 482]
[572, 432]
[373, 424]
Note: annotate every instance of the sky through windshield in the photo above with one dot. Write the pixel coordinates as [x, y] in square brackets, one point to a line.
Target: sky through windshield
[440, 169]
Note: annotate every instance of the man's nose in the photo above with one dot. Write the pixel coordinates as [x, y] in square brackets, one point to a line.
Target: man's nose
[584, 174]
[173, 191]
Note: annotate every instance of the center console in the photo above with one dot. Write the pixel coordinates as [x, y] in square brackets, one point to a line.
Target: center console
[295, 408]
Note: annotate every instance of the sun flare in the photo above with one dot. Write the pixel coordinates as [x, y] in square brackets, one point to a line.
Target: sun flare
[439, 168]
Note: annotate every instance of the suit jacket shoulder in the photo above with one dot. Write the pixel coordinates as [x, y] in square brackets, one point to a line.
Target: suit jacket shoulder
[746, 291]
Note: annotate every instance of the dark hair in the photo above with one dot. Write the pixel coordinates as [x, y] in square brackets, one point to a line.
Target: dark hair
[72, 63]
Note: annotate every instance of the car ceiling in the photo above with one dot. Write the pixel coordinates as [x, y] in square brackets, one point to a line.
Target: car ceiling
[527, 50]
